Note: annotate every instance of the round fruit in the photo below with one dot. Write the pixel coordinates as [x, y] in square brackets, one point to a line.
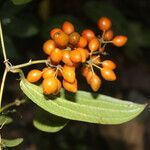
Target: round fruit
[104, 23]
[108, 74]
[49, 46]
[48, 72]
[95, 82]
[71, 87]
[58, 87]
[89, 76]
[53, 31]
[119, 40]
[83, 53]
[34, 75]
[66, 58]
[108, 64]
[108, 35]
[82, 42]
[56, 55]
[50, 85]
[68, 27]
[68, 73]
[74, 38]
[94, 44]
[88, 34]
[61, 39]
[85, 70]
[75, 56]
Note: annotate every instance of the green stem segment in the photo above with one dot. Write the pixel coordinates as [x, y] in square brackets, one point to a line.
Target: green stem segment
[2, 85]
[15, 103]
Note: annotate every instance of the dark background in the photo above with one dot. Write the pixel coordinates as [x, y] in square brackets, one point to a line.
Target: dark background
[27, 26]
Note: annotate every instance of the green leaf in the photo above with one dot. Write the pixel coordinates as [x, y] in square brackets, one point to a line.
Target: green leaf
[20, 2]
[47, 122]
[83, 106]
[12, 142]
[5, 120]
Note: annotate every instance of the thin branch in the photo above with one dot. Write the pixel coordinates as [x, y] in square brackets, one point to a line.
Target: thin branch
[2, 43]
[2, 86]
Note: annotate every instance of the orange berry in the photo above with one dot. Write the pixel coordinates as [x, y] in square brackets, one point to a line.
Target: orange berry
[61, 39]
[82, 42]
[66, 58]
[48, 72]
[58, 86]
[101, 49]
[104, 23]
[108, 64]
[119, 40]
[85, 70]
[74, 38]
[95, 82]
[94, 44]
[108, 35]
[88, 34]
[75, 56]
[68, 27]
[68, 73]
[108, 74]
[48, 46]
[34, 75]
[56, 55]
[83, 53]
[89, 76]
[53, 31]
[71, 87]
[50, 85]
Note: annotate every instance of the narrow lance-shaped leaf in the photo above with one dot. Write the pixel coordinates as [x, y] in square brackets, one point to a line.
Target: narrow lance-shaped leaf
[20, 2]
[47, 122]
[82, 106]
[5, 120]
[11, 142]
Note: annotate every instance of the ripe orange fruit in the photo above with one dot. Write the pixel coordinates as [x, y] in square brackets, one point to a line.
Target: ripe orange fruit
[104, 23]
[119, 40]
[108, 74]
[94, 44]
[68, 27]
[108, 64]
[108, 35]
[49, 46]
[48, 72]
[75, 56]
[71, 87]
[53, 31]
[66, 58]
[50, 85]
[74, 38]
[95, 82]
[56, 55]
[88, 34]
[83, 53]
[85, 70]
[89, 76]
[58, 87]
[82, 42]
[68, 73]
[61, 39]
[34, 75]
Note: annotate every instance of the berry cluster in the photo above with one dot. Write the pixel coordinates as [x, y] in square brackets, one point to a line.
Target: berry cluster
[67, 51]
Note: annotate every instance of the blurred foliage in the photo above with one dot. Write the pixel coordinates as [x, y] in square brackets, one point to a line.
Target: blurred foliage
[20, 2]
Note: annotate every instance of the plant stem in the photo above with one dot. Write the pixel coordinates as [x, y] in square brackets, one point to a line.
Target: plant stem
[28, 64]
[2, 43]
[15, 103]
[2, 85]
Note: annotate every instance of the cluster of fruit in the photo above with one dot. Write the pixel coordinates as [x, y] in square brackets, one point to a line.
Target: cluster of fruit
[69, 51]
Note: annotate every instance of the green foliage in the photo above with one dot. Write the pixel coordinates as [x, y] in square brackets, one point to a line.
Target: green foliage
[12, 142]
[20, 2]
[5, 120]
[47, 122]
[83, 106]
